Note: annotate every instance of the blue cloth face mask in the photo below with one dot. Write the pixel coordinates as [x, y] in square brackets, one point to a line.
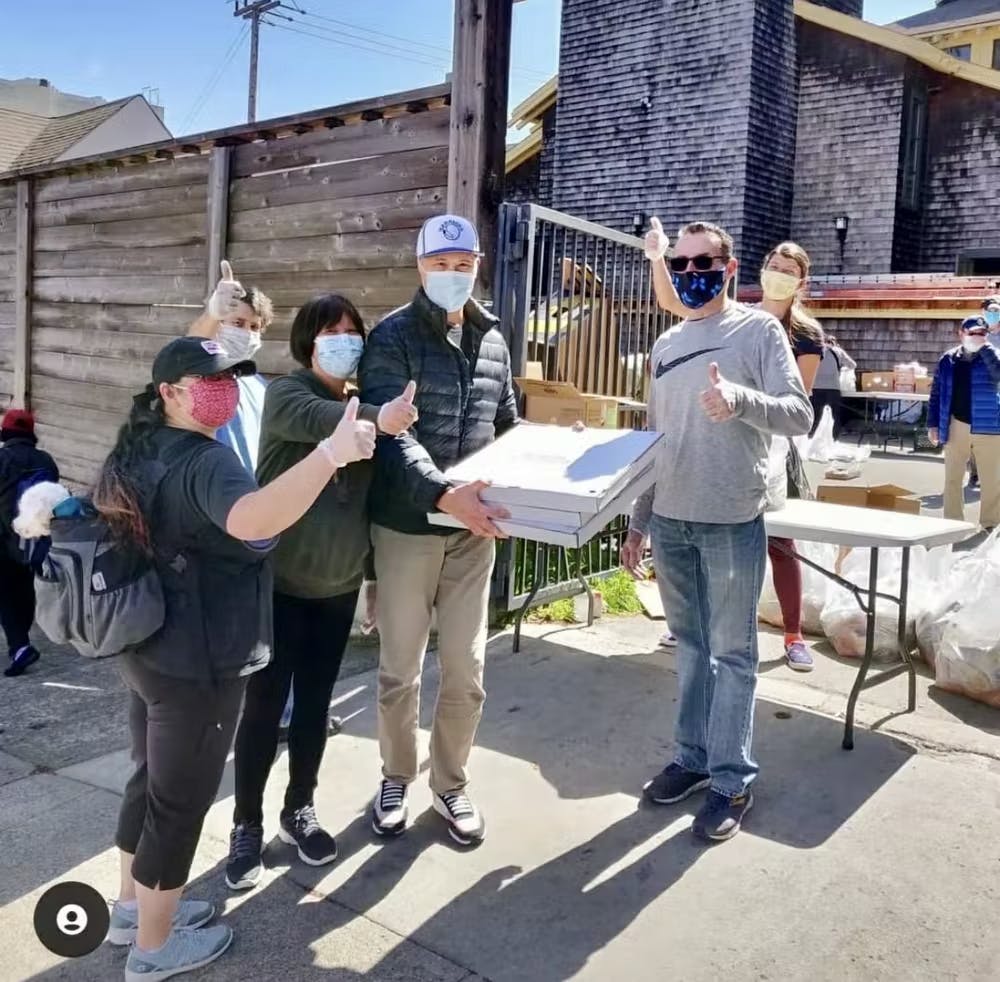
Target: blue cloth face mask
[338, 354]
[697, 289]
[992, 317]
[448, 289]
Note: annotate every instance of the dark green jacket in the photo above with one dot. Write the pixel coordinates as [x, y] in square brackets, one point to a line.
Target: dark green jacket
[324, 553]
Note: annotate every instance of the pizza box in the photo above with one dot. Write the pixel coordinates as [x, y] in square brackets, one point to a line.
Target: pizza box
[562, 469]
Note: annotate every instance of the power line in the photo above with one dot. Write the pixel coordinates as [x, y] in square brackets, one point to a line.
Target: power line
[202, 98]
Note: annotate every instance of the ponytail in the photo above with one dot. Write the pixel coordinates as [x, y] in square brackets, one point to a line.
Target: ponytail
[118, 494]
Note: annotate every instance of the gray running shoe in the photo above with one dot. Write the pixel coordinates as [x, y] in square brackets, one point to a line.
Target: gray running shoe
[184, 951]
[125, 922]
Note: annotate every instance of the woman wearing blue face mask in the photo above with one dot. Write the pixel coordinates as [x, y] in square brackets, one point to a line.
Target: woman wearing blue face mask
[319, 565]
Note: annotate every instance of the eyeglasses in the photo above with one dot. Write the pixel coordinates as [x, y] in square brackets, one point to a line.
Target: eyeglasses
[702, 263]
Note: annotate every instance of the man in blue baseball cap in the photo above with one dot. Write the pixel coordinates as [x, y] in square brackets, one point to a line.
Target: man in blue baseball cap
[450, 346]
[964, 416]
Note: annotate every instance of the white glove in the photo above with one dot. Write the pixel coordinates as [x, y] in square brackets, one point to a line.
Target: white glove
[400, 414]
[227, 294]
[352, 440]
[656, 242]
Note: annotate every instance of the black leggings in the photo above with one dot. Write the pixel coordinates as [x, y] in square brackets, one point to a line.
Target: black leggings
[181, 735]
[309, 641]
[17, 602]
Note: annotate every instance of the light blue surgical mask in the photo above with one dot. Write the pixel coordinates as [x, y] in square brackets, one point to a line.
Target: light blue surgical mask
[448, 289]
[992, 317]
[338, 354]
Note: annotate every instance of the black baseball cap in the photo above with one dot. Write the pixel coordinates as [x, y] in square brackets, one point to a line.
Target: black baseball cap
[199, 357]
[991, 300]
[976, 324]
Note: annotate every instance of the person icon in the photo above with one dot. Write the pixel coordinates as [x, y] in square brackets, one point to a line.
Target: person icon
[72, 920]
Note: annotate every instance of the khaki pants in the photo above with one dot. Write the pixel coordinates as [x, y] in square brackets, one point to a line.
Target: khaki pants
[962, 443]
[416, 574]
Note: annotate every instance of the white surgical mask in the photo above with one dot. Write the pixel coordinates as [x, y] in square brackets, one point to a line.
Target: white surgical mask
[238, 341]
[448, 289]
[338, 354]
[777, 285]
[973, 343]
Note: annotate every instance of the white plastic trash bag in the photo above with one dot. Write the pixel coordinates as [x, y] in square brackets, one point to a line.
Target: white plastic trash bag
[815, 589]
[821, 448]
[848, 380]
[959, 635]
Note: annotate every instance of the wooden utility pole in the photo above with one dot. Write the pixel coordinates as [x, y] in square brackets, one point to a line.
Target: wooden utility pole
[480, 74]
[252, 10]
[24, 244]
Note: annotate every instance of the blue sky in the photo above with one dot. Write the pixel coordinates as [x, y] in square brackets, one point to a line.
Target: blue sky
[338, 51]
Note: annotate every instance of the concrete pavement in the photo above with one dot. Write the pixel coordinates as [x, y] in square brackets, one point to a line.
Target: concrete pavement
[881, 864]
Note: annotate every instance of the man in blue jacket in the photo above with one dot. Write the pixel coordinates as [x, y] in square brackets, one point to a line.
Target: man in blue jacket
[964, 416]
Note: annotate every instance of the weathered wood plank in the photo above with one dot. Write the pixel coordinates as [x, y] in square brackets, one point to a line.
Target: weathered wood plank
[381, 136]
[160, 202]
[364, 287]
[283, 316]
[370, 213]
[109, 399]
[353, 178]
[121, 262]
[365, 250]
[86, 368]
[87, 444]
[217, 214]
[145, 289]
[149, 319]
[22, 293]
[79, 419]
[121, 178]
[7, 314]
[145, 232]
[106, 344]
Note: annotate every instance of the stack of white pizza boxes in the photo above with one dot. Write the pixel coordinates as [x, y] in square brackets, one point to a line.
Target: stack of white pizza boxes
[560, 486]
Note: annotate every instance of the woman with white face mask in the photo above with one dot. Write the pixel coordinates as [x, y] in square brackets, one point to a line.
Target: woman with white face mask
[319, 565]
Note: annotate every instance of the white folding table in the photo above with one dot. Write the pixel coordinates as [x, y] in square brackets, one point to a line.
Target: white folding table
[867, 528]
[896, 405]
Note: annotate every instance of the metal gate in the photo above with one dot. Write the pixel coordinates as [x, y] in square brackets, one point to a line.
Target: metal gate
[576, 298]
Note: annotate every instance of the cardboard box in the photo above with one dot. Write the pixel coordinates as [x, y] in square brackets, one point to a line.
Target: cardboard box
[561, 404]
[884, 497]
[924, 383]
[877, 381]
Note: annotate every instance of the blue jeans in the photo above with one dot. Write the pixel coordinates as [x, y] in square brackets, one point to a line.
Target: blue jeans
[710, 578]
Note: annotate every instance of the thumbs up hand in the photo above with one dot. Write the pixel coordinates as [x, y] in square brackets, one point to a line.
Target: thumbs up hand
[719, 399]
[656, 242]
[227, 295]
[399, 415]
[352, 440]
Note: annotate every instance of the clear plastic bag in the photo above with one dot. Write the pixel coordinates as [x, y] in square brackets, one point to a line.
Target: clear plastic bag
[959, 633]
[815, 589]
[848, 380]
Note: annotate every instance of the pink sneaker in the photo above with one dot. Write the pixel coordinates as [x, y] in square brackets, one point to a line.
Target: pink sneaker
[799, 657]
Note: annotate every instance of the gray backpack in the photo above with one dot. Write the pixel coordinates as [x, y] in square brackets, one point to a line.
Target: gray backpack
[93, 592]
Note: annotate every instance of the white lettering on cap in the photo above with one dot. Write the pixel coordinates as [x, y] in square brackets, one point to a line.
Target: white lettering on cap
[213, 347]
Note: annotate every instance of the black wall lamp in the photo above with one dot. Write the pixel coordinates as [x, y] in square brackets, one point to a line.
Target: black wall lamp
[841, 224]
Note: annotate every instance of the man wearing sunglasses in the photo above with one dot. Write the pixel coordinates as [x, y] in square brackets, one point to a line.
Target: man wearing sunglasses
[723, 382]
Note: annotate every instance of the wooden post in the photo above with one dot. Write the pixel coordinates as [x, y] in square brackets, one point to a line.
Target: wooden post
[22, 296]
[217, 233]
[477, 151]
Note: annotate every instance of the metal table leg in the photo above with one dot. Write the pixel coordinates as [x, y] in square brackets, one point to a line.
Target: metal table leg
[590, 591]
[859, 682]
[540, 568]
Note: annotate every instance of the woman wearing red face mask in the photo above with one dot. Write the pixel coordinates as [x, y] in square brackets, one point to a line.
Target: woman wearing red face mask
[169, 487]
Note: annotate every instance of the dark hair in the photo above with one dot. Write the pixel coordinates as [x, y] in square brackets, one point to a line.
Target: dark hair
[708, 228]
[313, 317]
[118, 496]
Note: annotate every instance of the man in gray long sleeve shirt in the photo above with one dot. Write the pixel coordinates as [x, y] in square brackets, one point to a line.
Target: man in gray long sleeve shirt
[722, 383]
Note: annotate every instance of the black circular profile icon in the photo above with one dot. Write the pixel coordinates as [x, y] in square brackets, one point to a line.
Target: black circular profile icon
[71, 919]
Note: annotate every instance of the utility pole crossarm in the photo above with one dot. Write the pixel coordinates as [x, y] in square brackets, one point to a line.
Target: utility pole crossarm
[253, 10]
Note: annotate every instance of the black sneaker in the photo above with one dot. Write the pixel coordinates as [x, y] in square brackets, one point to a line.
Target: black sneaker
[465, 822]
[674, 783]
[720, 817]
[24, 658]
[246, 843]
[300, 828]
[389, 809]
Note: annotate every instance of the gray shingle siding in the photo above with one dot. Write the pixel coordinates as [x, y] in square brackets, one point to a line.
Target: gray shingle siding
[847, 152]
[852, 7]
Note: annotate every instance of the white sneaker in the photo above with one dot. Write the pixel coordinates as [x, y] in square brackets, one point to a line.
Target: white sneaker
[668, 641]
[389, 809]
[465, 822]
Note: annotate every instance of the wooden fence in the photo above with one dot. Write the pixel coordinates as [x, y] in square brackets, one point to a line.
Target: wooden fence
[103, 260]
